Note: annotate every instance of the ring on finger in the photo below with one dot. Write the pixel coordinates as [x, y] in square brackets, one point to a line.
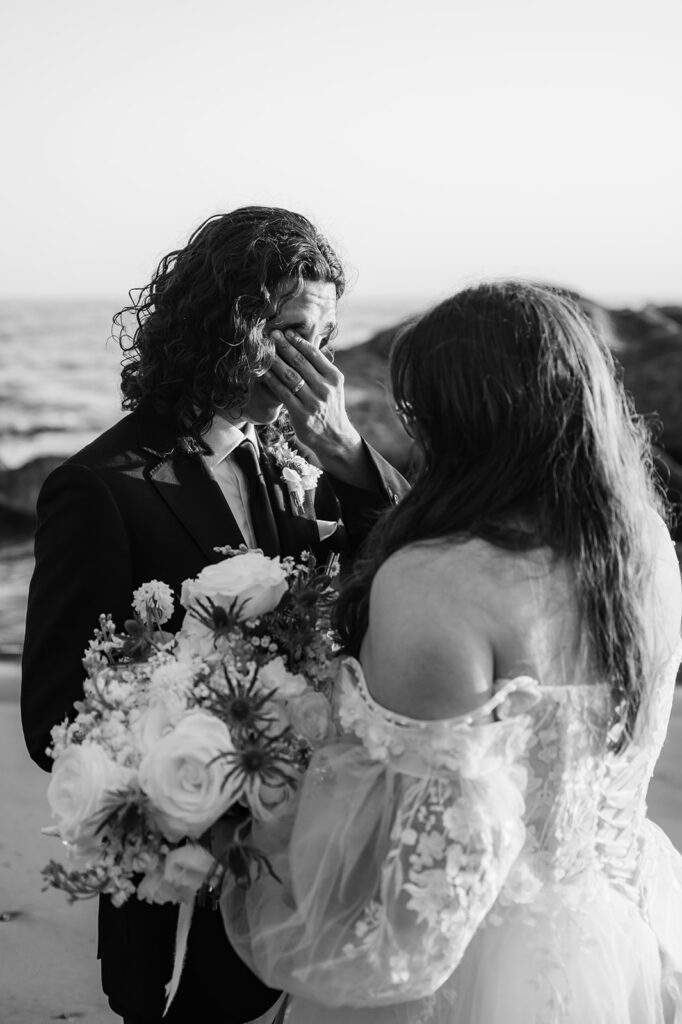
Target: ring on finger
[298, 387]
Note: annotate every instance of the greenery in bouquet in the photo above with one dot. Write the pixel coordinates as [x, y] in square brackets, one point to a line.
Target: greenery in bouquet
[180, 741]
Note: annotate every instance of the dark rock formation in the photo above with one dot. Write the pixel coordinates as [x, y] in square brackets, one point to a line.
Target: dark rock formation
[368, 396]
[648, 344]
[19, 492]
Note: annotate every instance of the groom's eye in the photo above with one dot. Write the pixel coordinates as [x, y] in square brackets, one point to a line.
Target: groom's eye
[301, 328]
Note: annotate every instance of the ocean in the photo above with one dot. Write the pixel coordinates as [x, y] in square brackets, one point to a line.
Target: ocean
[59, 373]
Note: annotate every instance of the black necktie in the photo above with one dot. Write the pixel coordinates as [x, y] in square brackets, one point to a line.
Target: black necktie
[264, 525]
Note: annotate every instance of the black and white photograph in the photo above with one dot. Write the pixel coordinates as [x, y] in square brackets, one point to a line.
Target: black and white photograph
[341, 512]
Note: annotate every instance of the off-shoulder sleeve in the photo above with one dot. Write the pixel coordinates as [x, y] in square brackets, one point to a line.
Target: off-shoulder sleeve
[401, 838]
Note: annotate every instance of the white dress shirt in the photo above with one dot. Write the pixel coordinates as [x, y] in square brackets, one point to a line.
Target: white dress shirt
[224, 437]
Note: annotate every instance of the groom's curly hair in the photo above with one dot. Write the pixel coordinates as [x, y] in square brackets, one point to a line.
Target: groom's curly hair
[193, 337]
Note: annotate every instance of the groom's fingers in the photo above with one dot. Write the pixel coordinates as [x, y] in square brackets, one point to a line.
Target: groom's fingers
[306, 359]
[289, 376]
[284, 394]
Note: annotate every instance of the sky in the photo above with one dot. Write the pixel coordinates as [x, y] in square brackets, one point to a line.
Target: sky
[435, 142]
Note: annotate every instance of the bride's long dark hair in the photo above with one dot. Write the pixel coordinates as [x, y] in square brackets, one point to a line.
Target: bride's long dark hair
[528, 439]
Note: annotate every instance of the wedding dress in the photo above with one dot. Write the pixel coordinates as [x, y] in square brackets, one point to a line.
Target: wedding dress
[497, 868]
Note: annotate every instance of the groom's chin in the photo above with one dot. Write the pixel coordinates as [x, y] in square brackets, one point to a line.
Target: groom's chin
[264, 406]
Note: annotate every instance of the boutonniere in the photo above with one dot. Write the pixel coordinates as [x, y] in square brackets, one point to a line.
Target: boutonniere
[299, 475]
[188, 446]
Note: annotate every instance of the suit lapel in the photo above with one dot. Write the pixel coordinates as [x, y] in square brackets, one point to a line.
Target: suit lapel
[196, 499]
[194, 496]
[189, 489]
[296, 533]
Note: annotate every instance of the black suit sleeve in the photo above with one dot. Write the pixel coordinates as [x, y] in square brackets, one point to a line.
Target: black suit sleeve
[82, 569]
[361, 507]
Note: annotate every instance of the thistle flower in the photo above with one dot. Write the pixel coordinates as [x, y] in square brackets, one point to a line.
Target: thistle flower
[260, 760]
[241, 705]
[223, 621]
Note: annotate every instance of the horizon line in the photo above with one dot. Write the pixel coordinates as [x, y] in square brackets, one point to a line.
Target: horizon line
[419, 300]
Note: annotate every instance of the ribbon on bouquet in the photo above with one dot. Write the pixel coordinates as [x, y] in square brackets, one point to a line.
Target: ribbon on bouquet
[181, 935]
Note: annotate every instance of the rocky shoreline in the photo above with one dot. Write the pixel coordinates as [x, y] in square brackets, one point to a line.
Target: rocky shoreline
[19, 490]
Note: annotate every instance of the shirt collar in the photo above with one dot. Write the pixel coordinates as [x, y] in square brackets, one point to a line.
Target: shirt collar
[224, 437]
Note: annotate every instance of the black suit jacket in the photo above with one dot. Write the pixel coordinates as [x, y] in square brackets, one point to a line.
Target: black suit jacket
[130, 507]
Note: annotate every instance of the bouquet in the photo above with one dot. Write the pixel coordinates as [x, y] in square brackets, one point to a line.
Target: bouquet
[181, 741]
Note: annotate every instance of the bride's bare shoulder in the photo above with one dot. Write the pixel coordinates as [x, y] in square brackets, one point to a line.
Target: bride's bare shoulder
[455, 573]
[428, 652]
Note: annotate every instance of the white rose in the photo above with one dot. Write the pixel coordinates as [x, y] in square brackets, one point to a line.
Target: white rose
[310, 716]
[152, 725]
[277, 718]
[294, 482]
[186, 868]
[83, 777]
[309, 477]
[265, 801]
[251, 578]
[154, 888]
[194, 640]
[183, 779]
[274, 676]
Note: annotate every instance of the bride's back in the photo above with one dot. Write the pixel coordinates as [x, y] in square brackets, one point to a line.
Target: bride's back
[475, 613]
[471, 613]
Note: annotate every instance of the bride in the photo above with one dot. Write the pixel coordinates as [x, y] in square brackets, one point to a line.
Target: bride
[473, 847]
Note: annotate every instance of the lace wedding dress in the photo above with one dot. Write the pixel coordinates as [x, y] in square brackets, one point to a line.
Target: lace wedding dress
[496, 868]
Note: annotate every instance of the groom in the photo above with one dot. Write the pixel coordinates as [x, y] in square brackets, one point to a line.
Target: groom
[231, 329]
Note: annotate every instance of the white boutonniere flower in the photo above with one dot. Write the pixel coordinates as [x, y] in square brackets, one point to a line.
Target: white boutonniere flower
[299, 475]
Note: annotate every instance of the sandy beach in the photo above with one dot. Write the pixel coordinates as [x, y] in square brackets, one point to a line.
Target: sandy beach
[48, 966]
